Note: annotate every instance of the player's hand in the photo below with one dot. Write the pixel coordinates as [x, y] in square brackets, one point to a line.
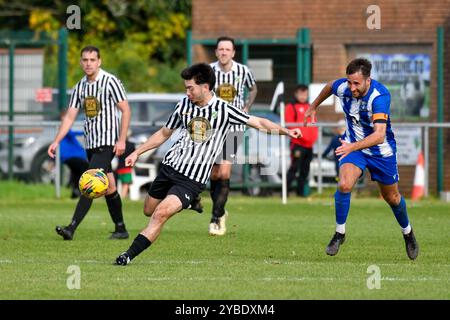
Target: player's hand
[131, 159]
[310, 113]
[119, 148]
[344, 149]
[51, 151]
[295, 133]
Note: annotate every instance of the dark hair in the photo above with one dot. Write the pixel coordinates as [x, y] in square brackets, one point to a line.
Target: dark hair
[301, 87]
[201, 73]
[90, 49]
[225, 38]
[359, 65]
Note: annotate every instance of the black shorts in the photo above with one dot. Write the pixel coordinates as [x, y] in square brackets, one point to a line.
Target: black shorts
[100, 158]
[170, 181]
[230, 147]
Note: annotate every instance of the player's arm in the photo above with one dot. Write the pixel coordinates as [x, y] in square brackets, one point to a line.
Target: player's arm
[377, 137]
[323, 95]
[271, 127]
[124, 108]
[66, 124]
[253, 91]
[154, 141]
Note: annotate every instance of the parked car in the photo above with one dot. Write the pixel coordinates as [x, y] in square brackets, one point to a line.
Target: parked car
[264, 158]
[265, 154]
[149, 113]
[30, 159]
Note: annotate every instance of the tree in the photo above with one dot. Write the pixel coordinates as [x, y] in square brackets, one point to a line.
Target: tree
[142, 41]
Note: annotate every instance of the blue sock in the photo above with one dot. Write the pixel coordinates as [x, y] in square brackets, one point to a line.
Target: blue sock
[400, 213]
[342, 206]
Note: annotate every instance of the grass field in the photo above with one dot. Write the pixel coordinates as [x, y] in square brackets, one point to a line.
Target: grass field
[270, 252]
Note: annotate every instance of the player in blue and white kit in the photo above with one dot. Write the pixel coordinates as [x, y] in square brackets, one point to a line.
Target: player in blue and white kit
[368, 143]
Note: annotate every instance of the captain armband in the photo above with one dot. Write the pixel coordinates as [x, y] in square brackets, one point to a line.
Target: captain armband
[380, 118]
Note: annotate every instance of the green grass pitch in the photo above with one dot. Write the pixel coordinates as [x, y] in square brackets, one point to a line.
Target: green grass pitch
[271, 251]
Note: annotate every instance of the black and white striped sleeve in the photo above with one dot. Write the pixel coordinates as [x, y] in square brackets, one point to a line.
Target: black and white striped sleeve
[250, 80]
[75, 101]
[237, 116]
[117, 90]
[174, 121]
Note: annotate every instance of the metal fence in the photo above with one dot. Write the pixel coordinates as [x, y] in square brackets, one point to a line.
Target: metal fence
[53, 125]
[31, 63]
[425, 131]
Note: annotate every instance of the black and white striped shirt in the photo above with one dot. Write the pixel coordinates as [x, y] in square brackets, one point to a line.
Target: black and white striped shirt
[99, 100]
[203, 133]
[239, 78]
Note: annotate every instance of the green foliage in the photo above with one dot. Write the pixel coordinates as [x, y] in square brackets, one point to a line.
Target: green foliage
[142, 42]
[124, 59]
[167, 76]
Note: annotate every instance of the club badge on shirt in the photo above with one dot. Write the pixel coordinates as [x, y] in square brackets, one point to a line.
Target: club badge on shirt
[91, 106]
[226, 92]
[199, 129]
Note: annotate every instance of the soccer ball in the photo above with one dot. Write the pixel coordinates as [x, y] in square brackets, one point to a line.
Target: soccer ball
[93, 183]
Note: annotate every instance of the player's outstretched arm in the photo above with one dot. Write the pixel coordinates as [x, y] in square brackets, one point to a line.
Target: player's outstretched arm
[310, 113]
[272, 128]
[154, 141]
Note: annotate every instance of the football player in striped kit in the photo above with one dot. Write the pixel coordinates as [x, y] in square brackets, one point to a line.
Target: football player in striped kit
[102, 97]
[368, 143]
[232, 78]
[205, 120]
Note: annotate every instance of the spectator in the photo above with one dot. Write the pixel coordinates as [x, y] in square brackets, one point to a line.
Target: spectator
[123, 172]
[302, 147]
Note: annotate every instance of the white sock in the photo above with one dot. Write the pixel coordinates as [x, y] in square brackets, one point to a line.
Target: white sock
[407, 229]
[340, 228]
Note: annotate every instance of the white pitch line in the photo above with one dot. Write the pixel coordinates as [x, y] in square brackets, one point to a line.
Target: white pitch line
[414, 279]
[280, 279]
[6, 261]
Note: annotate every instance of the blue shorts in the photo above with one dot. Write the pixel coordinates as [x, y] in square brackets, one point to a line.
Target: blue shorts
[382, 170]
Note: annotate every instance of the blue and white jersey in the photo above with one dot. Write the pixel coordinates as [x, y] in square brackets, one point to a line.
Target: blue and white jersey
[360, 114]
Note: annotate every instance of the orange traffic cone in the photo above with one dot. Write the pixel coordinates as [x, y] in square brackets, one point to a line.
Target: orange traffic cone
[419, 179]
